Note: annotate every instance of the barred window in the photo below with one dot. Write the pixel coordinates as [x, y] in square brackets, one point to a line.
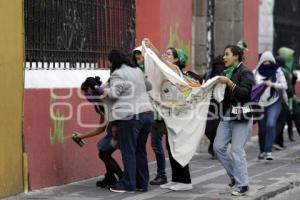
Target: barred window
[76, 34]
[287, 26]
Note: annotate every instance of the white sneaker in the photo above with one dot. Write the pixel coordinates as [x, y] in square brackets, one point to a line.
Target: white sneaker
[230, 188]
[240, 191]
[269, 156]
[167, 185]
[181, 187]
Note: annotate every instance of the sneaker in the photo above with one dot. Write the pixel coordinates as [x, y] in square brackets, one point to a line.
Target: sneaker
[141, 189]
[118, 189]
[106, 182]
[232, 183]
[269, 156]
[167, 185]
[277, 147]
[159, 180]
[261, 156]
[181, 187]
[230, 187]
[292, 138]
[240, 191]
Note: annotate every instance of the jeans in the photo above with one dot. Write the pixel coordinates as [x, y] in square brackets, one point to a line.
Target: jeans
[158, 129]
[132, 137]
[234, 162]
[105, 154]
[267, 127]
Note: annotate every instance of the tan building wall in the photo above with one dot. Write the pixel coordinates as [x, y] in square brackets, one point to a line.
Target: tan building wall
[11, 96]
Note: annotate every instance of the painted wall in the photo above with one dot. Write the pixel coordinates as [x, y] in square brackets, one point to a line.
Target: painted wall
[11, 70]
[148, 22]
[251, 19]
[176, 24]
[53, 159]
[166, 23]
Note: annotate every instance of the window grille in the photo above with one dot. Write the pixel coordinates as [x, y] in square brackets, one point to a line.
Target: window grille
[76, 34]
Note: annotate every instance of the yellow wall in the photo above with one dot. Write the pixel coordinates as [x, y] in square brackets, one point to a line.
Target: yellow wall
[11, 96]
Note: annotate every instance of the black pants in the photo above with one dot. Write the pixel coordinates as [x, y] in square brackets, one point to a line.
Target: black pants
[285, 116]
[179, 174]
[210, 132]
[112, 167]
[212, 124]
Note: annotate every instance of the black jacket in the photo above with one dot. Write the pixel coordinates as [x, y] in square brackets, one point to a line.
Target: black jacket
[241, 94]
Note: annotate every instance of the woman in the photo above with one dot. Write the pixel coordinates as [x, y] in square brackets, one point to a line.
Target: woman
[138, 58]
[213, 120]
[157, 131]
[181, 179]
[132, 111]
[236, 120]
[285, 114]
[92, 90]
[269, 73]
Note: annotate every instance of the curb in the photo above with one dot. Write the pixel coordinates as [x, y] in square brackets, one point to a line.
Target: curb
[278, 189]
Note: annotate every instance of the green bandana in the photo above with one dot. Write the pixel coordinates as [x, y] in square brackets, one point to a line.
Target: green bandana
[287, 54]
[142, 66]
[289, 62]
[241, 45]
[230, 70]
[183, 58]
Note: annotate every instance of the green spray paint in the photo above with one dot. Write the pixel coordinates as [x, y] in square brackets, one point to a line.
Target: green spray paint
[176, 41]
[57, 131]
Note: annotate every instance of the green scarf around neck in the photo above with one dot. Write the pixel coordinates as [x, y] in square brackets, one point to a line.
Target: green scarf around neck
[289, 62]
[230, 70]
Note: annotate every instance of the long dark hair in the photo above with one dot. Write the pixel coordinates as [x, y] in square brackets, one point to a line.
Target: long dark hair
[236, 51]
[91, 82]
[179, 63]
[117, 58]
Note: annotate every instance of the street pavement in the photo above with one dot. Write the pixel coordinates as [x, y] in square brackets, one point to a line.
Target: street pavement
[267, 180]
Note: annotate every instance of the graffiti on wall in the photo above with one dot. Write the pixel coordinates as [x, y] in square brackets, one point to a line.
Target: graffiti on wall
[56, 134]
[175, 39]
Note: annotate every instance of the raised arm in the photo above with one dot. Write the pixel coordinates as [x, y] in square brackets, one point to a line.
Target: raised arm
[162, 57]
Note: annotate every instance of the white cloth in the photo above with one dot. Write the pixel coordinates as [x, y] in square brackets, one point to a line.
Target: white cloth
[185, 119]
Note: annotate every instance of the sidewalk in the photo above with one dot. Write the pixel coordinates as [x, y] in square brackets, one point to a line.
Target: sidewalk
[267, 178]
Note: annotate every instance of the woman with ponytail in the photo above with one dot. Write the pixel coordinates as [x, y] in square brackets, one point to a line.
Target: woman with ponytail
[236, 120]
[92, 88]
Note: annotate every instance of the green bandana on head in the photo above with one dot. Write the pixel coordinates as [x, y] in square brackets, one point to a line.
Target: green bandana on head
[287, 54]
[242, 45]
[230, 70]
[183, 58]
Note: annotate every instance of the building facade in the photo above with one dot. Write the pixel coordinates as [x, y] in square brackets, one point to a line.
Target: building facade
[60, 52]
[11, 81]
[53, 104]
